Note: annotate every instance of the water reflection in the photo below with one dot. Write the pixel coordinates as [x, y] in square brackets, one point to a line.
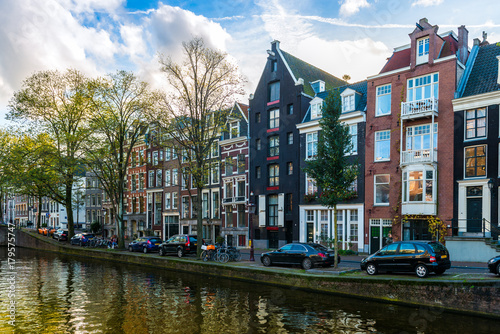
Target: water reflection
[60, 294]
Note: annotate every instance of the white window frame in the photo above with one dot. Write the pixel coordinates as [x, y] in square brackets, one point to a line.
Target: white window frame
[311, 187]
[381, 92]
[311, 145]
[407, 181]
[375, 184]
[168, 180]
[411, 133]
[353, 134]
[379, 140]
[168, 202]
[420, 83]
[475, 127]
[348, 103]
[234, 129]
[316, 110]
[422, 51]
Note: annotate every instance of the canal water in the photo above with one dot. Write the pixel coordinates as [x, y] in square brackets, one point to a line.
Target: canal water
[63, 294]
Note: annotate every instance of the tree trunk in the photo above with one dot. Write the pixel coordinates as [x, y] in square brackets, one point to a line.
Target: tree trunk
[335, 234]
[69, 208]
[119, 221]
[199, 223]
[39, 218]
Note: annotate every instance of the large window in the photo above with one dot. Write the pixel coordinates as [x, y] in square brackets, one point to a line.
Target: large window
[382, 189]
[168, 180]
[316, 110]
[274, 146]
[383, 100]
[382, 145]
[274, 91]
[418, 186]
[423, 87]
[274, 118]
[273, 210]
[175, 177]
[311, 187]
[423, 50]
[419, 137]
[228, 162]
[348, 103]
[215, 173]
[151, 178]
[159, 177]
[215, 205]
[274, 175]
[167, 201]
[234, 129]
[475, 123]
[312, 145]
[353, 133]
[475, 161]
[229, 190]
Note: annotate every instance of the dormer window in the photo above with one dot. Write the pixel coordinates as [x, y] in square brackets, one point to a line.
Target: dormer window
[315, 110]
[348, 103]
[274, 65]
[234, 129]
[422, 50]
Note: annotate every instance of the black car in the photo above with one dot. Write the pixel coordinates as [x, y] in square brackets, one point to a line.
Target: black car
[307, 255]
[494, 265]
[421, 257]
[60, 235]
[145, 244]
[81, 239]
[179, 244]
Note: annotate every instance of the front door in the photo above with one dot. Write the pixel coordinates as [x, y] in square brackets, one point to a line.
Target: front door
[474, 214]
[310, 232]
[374, 239]
[289, 231]
[273, 239]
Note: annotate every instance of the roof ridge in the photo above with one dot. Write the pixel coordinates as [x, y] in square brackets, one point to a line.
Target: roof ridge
[309, 64]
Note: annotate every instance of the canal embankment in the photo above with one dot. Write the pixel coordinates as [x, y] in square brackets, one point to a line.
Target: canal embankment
[470, 295]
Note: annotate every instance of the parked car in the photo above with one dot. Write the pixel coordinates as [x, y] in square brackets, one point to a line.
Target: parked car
[494, 265]
[60, 235]
[421, 257]
[179, 244]
[145, 244]
[307, 255]
[81, 238]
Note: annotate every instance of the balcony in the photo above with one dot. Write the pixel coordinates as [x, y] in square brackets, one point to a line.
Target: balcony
[420, 108]
[227, 200]
[418, 157]
[419, 208]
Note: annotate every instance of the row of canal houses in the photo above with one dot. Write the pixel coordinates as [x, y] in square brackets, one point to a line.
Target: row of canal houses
[425, 133]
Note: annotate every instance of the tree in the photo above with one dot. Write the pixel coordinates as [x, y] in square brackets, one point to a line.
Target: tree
[193, 113]
[118, 106]
[346, 77]
[333, 170]
[57, 104]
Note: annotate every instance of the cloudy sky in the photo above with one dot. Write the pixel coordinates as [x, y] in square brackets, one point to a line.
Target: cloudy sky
[101, 36]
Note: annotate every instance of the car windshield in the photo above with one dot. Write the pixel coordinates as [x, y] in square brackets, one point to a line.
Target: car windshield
[437, 247]
[318, 247]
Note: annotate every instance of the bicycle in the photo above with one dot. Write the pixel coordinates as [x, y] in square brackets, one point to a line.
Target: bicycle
[209, 253]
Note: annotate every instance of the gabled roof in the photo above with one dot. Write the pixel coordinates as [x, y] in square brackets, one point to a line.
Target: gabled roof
[310, 73]
[484, 75]
[360, 87]
[244, 109]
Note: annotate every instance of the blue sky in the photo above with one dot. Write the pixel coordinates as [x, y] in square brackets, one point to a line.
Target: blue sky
[352, 37]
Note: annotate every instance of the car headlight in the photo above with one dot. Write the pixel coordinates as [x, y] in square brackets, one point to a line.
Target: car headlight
[491, 260]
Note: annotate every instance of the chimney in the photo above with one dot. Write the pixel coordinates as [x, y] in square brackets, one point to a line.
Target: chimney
[476, 41]
[275, 45]
[463, 44]
[318, 86]
[498, 69]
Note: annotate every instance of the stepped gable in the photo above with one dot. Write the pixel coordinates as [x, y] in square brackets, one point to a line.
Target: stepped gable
[484, 74]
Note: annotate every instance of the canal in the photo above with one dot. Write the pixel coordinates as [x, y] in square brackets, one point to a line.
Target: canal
[63, 294]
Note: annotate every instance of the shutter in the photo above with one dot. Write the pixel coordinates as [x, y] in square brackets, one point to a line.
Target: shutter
[281, 211]
[262, 210]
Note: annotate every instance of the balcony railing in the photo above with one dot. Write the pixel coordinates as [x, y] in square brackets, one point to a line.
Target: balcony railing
[227, 200]
[420, 108]
[239, 199]
[418, 156]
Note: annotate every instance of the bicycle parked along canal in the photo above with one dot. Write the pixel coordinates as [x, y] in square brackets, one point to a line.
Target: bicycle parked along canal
[221, 253]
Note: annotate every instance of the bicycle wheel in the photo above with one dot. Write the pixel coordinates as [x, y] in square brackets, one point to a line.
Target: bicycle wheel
[237, 255]
[224, 257]
[204, 255]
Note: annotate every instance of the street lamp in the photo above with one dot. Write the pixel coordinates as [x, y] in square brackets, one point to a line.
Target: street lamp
[251, 211]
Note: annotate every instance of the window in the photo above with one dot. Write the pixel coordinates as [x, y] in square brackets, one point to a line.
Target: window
[382, 189]
[274, 91]
[167, 201]
[161, 155]
[289, 168]
[215, 149]
[383, 100]
[422, 50]
[312, 145]
[274, 146]
[418, 186]
[274, 65]
[175, 177]
[241, 163]
[274, 118]
[348, 103]
[159, 176]
[185, 207]
[257, 172]
[168, 150]
[133, 182]
[151, 178]
[310, 185]
[229, 216]
[215, 173]
[184, 178]
[204, 205]
[274, 175]
[234, 129]
[149, 157]
[353, 133]
[215, 204]
[168, 180]
[241, 188]
[141, 181]
[174, 200]
[241, 215]
[273, 210]
[475, 123]
[354, 231]
[257, 117]
[382, 145]
[475, 161]
[288, 203]
[229, 190]
[289, 137]
[316, 110]
[424, 87]
[289, 109]
[229, 166]
[258, 144]
[419, 137]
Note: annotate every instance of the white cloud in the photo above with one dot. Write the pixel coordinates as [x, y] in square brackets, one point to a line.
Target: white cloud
[350, 7]
[426, 3]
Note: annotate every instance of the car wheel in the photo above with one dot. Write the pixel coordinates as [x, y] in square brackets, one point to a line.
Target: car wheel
[180, 253]
[161, 251]
[130, 249]
[371, 269]
[421, 270]
[439, 271]
[266, 261]
[145, 250]
[498, 269]
[307, 264]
